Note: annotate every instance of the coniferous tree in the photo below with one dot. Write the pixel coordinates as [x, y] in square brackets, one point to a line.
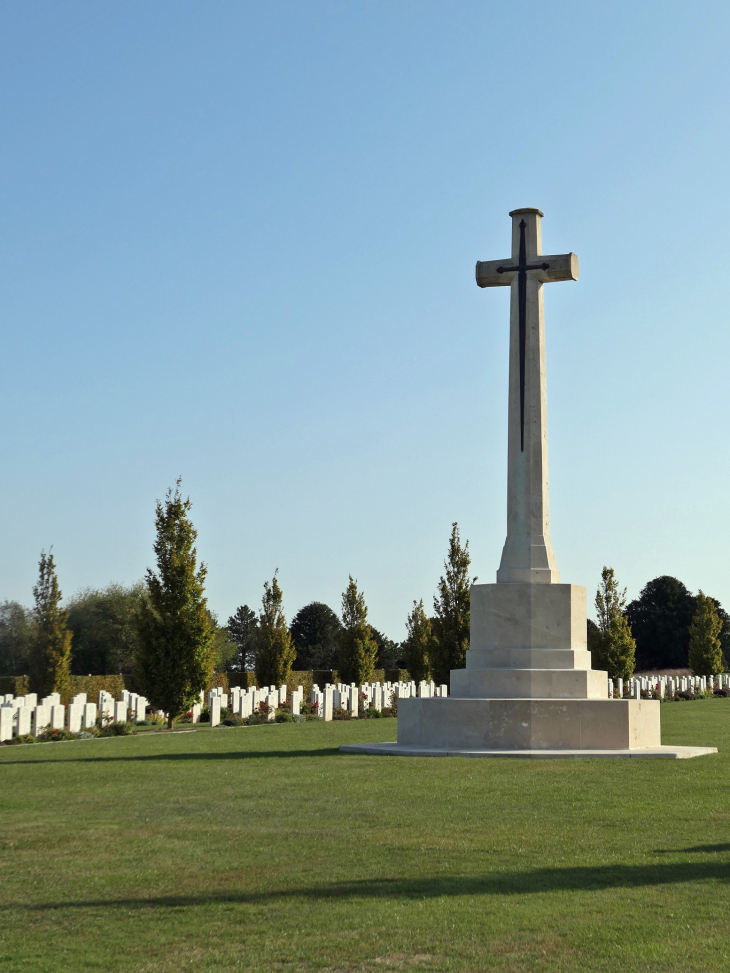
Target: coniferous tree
[275, 652]
[49, 659]
[175, 655]
[613, 647]
[243, 628]
[358, 648]
[705, 651]
[418, 646]
[452, 611]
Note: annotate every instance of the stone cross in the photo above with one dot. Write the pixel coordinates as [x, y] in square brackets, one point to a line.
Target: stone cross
[528, 553]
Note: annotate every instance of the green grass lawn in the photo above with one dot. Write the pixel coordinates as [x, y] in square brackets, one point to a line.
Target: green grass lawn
[264, 848]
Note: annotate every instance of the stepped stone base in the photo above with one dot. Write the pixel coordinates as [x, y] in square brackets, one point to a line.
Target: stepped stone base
[529, 683]
[528, 689]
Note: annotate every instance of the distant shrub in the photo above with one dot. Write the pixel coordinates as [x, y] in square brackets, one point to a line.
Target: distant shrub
[50, 735]
[204, 715]
[25, 738]
[233, 720]
[116, 730]
[283, 716]
[341, 714]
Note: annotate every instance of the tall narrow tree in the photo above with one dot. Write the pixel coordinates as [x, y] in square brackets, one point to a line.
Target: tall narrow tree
[705, 651]
[358, 649]
[452, 611]
[49, 660]
[175, 654]
[613, 647]
[418, 646]
[242, 628]
[275, 652]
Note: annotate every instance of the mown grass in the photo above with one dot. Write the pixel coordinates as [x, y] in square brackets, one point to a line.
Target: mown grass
[264, 848]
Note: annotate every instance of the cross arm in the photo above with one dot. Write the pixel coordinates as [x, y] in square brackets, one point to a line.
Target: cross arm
[499, 273]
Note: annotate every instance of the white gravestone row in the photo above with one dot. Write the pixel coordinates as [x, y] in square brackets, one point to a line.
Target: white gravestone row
[246, 702]
[665, 686]
[23, 715]
[378, 695]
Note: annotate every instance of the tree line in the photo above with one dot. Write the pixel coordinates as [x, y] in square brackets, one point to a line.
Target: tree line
[163, 631]
[666, 627]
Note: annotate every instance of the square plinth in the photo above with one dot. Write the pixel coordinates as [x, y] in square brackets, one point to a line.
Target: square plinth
[528, 616]
[529, 683]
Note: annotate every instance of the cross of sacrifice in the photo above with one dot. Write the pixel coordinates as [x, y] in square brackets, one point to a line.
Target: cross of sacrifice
[497, 273]
[528, 553]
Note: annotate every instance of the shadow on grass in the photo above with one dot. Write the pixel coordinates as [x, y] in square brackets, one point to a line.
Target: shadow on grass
[585, 879]
[143, 758]
[697, 848]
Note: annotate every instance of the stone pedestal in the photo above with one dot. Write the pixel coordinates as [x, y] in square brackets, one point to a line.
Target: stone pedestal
[528, 688]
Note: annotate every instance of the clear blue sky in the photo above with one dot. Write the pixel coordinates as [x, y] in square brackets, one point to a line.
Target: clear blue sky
[238, 245]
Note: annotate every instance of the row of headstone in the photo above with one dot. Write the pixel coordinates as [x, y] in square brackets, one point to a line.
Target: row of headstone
[665, 686]
[246, 702]
[23, 715]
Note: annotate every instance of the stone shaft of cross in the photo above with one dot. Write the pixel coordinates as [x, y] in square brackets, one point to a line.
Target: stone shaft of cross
[528, 554]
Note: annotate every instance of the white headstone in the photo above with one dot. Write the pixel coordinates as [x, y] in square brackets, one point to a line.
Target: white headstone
[73, 716]
[89, 717]
[58, 716]
[215, 710]
[6, 722]
[295, 701]
[120, 712]
[272, 701]
[41, 719]
[23, 715]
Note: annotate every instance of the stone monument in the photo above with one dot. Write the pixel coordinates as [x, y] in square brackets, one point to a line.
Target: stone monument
[528, 688]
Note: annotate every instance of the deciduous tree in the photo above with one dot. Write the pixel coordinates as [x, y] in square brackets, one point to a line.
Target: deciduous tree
[275, 652]
[105, 628]
[175, 655]
[418, 645]
[614, 649]
[16, 637]
[315, 631]
[705, 651]
[452, 611]
[660, 618]
[49, 661]
[358, 649]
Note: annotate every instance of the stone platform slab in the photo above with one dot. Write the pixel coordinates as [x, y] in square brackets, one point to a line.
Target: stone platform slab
[393, 749]
[451, 723]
